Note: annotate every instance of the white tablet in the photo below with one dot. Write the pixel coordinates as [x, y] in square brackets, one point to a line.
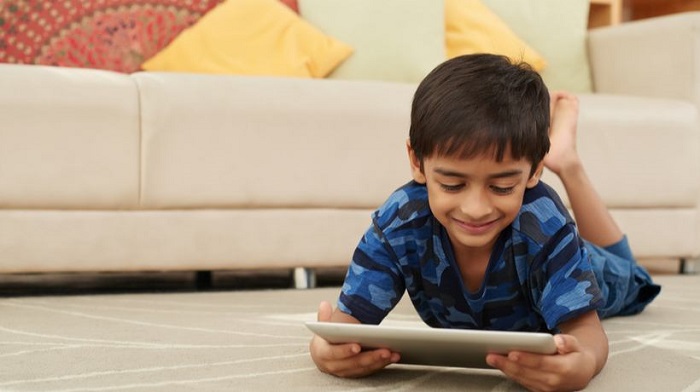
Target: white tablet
[435, 346]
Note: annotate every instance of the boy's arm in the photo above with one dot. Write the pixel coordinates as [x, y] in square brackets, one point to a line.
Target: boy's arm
[346, 360]
[582, 352]
[591, 336]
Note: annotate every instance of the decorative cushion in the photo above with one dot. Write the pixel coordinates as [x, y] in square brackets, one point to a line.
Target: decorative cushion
[291, 4]
[252, 37]
[471, 27]
[557, 29]
[115, 35]
[394, 40]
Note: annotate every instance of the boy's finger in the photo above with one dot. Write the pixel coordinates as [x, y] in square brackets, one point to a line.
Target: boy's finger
[326, 351]
[338, 352]
[378, 360]
[512, 367]
[528, 360]
[367, 363]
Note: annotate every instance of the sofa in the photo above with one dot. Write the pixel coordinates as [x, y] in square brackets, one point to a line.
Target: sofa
[165, 171]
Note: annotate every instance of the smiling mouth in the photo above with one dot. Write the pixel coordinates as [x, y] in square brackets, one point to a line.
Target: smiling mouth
[476, 228]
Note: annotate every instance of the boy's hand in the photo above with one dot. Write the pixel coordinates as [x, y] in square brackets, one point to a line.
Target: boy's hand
[346, 360]
[571, 369]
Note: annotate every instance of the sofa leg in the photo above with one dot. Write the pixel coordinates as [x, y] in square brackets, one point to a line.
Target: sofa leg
[688, 266]
[202, 280]
[304, 278]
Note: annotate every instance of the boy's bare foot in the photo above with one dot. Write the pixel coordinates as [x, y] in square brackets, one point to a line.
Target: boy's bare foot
[562, 154]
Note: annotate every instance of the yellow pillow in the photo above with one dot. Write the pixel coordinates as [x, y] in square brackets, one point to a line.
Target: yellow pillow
[471, 27]
[252, 37]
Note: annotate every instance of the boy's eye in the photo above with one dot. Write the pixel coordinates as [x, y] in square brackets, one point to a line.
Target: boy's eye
[502, 190]
[451, 188]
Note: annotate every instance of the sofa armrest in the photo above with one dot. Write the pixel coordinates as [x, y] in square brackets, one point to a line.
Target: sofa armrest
[657, 57]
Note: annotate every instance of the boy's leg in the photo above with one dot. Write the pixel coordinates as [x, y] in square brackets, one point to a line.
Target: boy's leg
[627, 287]
[594, 222]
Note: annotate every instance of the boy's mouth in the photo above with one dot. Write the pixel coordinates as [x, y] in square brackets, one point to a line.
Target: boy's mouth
[476, 228]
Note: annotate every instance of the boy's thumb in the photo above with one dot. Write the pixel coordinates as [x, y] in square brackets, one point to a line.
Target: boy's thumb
[324, 311]
[566, 344]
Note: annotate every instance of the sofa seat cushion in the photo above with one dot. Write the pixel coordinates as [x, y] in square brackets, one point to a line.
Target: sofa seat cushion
[177, 240]
[234, 141]
[69, 138]
[631, 162]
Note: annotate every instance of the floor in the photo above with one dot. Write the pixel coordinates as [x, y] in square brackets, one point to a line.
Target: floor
[255, 340]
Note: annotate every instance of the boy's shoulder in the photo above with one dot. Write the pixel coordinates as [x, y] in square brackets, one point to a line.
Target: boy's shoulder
[406, 204]
[542, 213]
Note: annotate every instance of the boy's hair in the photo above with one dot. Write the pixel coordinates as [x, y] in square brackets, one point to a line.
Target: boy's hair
[474, 104]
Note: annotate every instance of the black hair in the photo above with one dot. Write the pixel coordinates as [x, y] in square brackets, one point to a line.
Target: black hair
[473, 104]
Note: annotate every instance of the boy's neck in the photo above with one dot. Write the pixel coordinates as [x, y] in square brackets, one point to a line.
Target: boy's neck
[472, 263]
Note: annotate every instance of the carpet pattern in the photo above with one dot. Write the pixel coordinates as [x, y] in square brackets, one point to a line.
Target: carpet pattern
[256, 341]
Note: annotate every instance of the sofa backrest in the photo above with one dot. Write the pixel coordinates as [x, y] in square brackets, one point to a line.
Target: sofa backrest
[217, 142]
[87, 139]
[69, 138]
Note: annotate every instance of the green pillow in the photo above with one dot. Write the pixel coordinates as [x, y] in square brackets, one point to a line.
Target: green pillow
[557, 29]
[394, 40]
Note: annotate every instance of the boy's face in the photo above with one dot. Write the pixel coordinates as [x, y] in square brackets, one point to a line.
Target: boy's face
[474, 199]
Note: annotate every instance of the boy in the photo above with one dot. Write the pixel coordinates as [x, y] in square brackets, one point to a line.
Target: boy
[478, 242]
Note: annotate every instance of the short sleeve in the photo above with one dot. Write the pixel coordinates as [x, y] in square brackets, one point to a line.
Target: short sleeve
[373, 284]
[564, 285]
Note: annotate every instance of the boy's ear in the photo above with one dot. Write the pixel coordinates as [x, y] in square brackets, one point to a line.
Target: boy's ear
[535, 178]
[416, 169]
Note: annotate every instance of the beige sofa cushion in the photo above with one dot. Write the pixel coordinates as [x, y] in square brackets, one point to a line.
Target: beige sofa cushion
[639, 152]
[177, 240]
[69, 138]
[230, 239]
[218, 155]
[216, 142]
[656, 57]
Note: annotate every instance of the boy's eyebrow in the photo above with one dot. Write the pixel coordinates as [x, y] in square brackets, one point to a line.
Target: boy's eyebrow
[452, 173]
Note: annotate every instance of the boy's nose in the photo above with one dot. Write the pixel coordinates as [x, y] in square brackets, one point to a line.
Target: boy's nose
[476, 205]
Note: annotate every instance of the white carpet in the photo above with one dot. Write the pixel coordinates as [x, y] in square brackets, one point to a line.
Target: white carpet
[255, 341]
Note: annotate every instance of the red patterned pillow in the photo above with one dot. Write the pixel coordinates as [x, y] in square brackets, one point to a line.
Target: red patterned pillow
[293, 4]
[117, 35]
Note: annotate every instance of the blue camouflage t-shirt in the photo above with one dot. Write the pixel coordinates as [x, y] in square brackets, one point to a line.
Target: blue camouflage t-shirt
[539, 274]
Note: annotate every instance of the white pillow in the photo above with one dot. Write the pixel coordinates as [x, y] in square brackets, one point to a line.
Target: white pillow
[394, 40]
[557, 29]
